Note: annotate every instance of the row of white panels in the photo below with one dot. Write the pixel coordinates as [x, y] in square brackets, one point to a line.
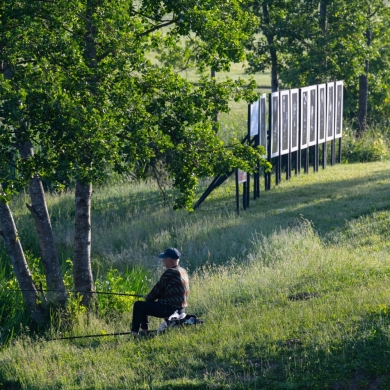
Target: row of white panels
[300, 117]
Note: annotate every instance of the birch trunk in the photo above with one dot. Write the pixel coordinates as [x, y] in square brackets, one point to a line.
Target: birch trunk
[82, 271]
[44, 230]
[47, 246]
[23, 275]
[41, 218]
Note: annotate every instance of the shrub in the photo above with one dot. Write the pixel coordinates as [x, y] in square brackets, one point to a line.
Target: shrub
[370, 146]
[134, 281]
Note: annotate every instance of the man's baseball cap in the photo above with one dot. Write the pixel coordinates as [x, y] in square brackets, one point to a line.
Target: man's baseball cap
[172, 253]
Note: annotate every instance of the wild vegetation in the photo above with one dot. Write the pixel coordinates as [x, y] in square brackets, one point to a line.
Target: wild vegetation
[294, 291]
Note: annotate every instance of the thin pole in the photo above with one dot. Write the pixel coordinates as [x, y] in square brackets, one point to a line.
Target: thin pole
[88, 292]
[287, 158]
[340, 151]
[268, 184]
[257, 174]
[324, 155]
[333, 152]
[91, 335]
[247, 192]
[307, 160]
[299, 151]
[244, 195]
[237, 194]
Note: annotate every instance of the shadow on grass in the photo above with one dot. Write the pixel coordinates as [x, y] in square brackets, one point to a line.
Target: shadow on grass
[359, 361]
[328, 204]
[10, 385]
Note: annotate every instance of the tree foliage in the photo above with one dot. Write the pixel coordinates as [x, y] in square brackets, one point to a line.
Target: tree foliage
[85, 112]
[318, 41]
[79, 90]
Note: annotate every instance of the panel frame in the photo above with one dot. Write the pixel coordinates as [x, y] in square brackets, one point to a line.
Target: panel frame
[275, 125]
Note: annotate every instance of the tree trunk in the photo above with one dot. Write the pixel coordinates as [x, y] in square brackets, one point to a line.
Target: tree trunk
[322, 21]
[44, 230]
[82, 271]
[41, 217]
[363, 103]
[323, 26]
[273, 53]
[23, 275]
[274, 70]
[363, 92]
[215, 116]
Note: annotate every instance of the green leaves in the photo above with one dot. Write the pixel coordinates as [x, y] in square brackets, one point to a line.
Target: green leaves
[83, 90]
[306, 44]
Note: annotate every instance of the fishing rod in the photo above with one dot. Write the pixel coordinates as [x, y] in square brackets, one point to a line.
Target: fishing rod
[82, 292]
[91, 335]
[192, 320]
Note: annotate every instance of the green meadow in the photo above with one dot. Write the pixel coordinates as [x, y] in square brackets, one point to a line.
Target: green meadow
[294, 292]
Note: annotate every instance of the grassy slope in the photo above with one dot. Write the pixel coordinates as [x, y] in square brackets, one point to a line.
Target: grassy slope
[326, 234]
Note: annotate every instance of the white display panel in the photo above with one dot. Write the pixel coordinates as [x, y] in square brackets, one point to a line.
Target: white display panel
[254, 118]
[275, 124]
[330, 97]
[304, 117]
[339, 109]
[321, 113]
[312, 116]
[284, 122]
[294, 119]
[263, 121]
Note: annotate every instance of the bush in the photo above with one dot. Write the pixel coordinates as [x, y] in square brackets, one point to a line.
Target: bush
[370, 146]
[134, 281]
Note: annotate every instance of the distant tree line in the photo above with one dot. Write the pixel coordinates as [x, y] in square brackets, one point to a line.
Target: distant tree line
[310, 42]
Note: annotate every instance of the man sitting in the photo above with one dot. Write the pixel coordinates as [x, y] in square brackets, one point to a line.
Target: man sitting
[170, 294]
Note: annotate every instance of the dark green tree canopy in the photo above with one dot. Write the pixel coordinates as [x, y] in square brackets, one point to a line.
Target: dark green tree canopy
[78, 83]
[311, 42]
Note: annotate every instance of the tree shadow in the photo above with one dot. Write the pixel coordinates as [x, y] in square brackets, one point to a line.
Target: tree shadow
[328, 206]
[142, 216]
[358, 361]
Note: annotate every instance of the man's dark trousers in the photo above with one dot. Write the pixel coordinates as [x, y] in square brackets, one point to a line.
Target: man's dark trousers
[142, 310]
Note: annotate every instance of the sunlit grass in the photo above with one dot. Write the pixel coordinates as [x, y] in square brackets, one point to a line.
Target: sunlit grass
[254, 336]
[323, 236]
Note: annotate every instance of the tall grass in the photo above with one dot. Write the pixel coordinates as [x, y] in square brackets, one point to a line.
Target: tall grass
[11, 306]
[294, 291]
[372, 145]
[254, 336]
